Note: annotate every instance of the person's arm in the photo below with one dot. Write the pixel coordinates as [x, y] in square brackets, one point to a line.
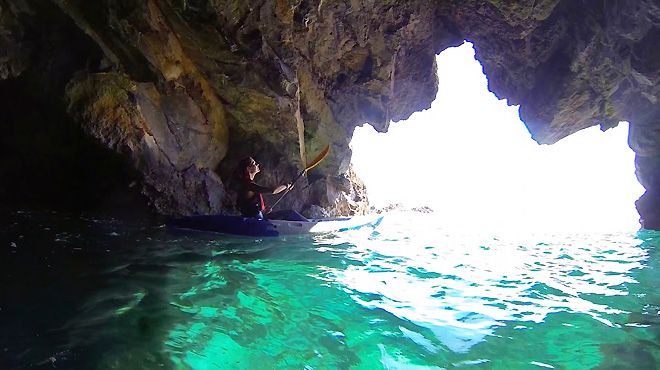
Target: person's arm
[251, 186]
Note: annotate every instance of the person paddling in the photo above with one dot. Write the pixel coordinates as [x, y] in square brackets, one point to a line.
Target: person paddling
[250, 201]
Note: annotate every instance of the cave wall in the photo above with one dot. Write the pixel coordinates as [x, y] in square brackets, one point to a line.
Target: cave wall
[185, 88]
[46, 160]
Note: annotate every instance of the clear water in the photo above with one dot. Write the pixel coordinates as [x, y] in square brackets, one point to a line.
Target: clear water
[85, 293]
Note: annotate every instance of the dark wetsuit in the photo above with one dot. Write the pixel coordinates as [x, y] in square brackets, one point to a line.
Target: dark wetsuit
[250, 202]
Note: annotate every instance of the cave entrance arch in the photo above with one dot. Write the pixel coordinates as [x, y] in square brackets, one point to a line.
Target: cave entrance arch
[471, 160]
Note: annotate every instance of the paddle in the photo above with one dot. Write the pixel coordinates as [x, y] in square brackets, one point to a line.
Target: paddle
[311, 165]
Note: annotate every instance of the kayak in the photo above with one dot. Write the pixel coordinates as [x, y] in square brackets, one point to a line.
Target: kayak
[249, 226]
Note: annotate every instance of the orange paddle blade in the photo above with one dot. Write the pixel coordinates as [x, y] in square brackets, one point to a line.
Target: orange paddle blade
[318, 158]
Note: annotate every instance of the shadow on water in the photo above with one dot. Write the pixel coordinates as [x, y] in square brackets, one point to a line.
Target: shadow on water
[75, 285]
[638, 353]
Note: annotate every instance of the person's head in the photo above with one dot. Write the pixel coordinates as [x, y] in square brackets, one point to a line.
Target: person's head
[247, 168]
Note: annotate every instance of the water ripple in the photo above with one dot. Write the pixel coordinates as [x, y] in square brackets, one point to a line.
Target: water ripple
[410, 296]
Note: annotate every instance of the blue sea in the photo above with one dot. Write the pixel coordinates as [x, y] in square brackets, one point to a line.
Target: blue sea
[95, 292]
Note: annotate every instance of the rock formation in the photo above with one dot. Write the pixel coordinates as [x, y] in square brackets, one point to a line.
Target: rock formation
[183, 88]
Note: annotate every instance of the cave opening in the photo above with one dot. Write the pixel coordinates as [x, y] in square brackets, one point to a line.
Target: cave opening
[473, 162]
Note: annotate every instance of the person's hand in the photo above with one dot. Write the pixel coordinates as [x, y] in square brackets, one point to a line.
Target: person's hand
[280, 189]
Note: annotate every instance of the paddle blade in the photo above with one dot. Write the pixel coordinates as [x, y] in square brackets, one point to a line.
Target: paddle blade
[318, 158]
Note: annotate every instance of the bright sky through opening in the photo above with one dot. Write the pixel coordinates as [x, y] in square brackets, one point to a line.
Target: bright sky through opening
[472, 160]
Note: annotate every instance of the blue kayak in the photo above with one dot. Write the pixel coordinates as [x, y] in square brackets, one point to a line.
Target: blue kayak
[249, 226]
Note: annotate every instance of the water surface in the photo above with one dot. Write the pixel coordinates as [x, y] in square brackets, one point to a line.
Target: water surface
[101, 293]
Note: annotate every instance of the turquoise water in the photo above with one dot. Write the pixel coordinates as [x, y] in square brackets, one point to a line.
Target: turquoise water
[98, 293]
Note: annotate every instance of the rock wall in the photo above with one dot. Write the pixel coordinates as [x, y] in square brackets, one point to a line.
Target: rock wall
[46, 160]
[185, 88]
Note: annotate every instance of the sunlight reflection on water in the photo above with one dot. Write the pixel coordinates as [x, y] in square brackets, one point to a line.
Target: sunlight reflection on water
[464, 291]
[415, 285]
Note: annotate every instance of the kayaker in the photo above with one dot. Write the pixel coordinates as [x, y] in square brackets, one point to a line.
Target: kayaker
[250, 201]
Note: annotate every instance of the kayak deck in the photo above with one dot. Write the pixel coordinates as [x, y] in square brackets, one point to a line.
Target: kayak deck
[249, 226]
